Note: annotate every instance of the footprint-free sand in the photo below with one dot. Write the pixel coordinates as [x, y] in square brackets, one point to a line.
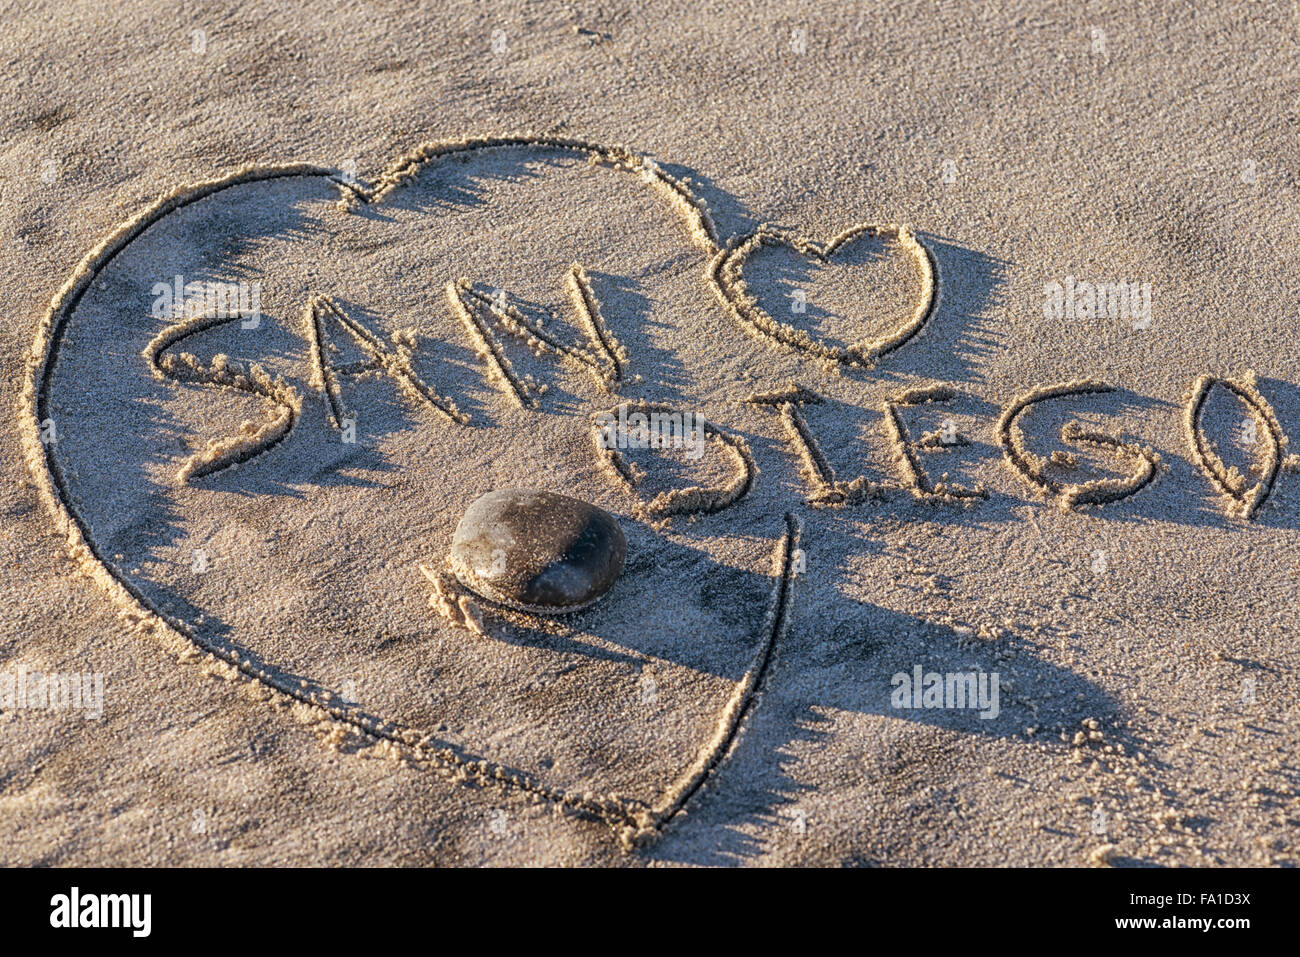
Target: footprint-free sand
[838, 234]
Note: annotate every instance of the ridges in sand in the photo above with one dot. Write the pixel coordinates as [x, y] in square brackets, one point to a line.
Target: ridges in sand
[616, 360]
[283, 402]
[464, 303]
[396, 362]
[606, 359]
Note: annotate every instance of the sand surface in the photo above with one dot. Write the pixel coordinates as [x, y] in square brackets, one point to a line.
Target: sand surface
[277, 686]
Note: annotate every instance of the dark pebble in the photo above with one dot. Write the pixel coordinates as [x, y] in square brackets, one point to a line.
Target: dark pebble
[537, 551]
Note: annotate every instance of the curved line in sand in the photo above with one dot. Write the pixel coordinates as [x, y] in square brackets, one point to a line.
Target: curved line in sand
[1241, 502]
[222, 373]
[1032, 468]
[639, 823]
[776, 625]
[694, 209]
[695, 499]
[636, 821]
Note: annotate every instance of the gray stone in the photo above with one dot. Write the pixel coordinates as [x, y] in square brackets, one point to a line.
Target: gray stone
[537, 551]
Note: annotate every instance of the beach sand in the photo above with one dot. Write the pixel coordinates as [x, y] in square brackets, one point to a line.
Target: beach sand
[278, 687]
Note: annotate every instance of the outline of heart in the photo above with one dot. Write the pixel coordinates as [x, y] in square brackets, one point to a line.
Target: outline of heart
[726, 278]
[636, 822]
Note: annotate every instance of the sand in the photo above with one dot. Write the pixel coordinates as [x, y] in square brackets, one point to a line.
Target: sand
[833, 231]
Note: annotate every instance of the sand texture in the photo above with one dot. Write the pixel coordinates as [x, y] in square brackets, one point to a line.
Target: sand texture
[833, 233]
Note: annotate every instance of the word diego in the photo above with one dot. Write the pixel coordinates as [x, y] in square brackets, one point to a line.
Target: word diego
[227, 300]
[73, 910]
[52, 692]
[1102, 300]
[930, 689]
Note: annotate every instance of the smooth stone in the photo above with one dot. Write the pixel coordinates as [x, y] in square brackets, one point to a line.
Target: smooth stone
[537, 551]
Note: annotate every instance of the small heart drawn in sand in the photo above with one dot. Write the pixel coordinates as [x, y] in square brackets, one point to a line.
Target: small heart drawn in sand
[726, 275]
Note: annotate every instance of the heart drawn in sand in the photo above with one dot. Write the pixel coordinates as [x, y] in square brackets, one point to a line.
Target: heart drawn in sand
[123, 545]
[726, 275]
